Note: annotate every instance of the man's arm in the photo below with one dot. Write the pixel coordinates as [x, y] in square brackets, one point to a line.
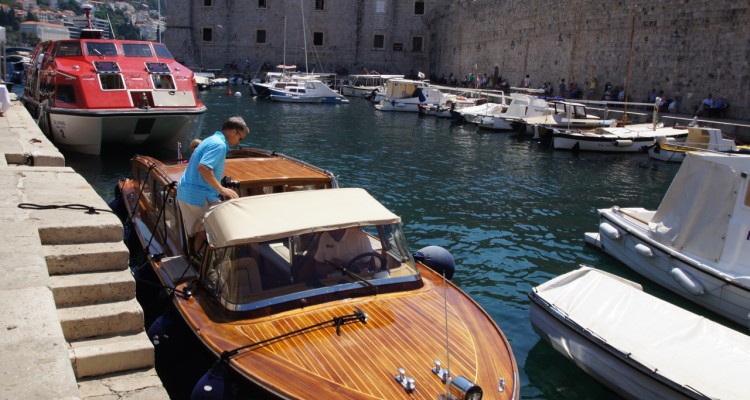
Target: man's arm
[208, 176]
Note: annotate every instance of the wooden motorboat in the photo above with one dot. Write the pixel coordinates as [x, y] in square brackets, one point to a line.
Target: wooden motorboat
[376, 326]
[696, 242]
[636, 344]
[93, 91]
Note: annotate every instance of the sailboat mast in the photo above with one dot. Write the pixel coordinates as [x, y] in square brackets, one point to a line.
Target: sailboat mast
[284, 63]
[304, 32]
[630, 61]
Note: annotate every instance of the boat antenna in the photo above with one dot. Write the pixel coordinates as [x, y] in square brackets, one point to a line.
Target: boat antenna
[447, 340]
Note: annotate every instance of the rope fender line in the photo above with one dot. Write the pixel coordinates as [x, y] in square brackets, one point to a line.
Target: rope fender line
[87, 209]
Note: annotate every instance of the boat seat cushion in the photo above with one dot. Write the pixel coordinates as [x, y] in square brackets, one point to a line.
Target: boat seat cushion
[242, 281]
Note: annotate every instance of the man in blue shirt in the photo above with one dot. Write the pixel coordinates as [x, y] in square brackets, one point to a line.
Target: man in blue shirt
[200, 185]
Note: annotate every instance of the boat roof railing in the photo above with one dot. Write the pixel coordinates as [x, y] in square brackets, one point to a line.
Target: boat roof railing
[257, 219]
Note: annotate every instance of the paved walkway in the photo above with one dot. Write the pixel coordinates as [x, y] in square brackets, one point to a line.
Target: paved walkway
[72, 328]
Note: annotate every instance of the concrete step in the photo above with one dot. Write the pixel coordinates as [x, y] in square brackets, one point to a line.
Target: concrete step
[131, 385]
[110, 354]
[101, 319]
[92, 288]
[86, 257]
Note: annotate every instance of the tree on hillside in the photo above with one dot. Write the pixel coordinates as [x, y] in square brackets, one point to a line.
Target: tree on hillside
[71, 5]
[31, 17]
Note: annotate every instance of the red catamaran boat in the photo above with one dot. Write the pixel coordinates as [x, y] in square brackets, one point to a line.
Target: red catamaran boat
[93, 91]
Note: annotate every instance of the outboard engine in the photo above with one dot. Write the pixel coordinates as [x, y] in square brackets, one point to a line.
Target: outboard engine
[438, 259]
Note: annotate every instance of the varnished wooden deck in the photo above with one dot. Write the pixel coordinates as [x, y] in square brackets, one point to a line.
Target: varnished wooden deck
[403, 330]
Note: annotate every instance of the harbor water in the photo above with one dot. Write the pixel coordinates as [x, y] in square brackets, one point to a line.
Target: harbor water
[512, 211]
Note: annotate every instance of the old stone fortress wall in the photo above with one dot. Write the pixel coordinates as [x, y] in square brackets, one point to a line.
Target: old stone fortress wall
[685, 48]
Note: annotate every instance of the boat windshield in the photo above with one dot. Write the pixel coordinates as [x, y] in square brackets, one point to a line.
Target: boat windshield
[255, 275]
[162, 52]
[101, 49]
[68, 49]
[136, 50]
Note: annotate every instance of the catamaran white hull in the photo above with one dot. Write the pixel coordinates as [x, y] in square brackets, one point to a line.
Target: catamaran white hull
[686, 276]
[636, 344]
[86, 132]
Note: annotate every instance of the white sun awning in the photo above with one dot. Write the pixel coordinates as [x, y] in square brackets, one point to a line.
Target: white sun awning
[262, 218]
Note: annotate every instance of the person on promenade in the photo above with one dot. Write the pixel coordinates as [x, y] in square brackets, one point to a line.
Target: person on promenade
[563, 88]
[200, 185]
[526, 81]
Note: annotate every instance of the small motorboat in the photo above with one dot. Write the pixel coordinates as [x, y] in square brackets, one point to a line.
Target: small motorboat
[638, 345]
[616, 139]
[383, 324]
[696, 242]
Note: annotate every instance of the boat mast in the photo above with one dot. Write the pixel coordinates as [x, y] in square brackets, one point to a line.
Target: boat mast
[304, 32]
[630, 62]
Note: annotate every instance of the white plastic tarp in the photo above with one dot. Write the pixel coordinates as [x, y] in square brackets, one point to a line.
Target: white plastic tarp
[681, 346]
[262, 218]
[694, 214]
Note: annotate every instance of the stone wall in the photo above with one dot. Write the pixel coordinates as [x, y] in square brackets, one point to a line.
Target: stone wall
[348, 28]
[685, 48]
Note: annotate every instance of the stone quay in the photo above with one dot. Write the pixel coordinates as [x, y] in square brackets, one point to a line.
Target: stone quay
[73, 328]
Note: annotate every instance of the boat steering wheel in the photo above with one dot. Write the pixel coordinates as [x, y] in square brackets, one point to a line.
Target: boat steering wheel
[369, 267]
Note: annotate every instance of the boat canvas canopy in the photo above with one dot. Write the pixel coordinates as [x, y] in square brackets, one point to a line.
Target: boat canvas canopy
[666, 339]
[700, 214]
[268, 217]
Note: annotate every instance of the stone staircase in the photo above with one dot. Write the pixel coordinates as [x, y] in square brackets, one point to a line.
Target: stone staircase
[94, 293]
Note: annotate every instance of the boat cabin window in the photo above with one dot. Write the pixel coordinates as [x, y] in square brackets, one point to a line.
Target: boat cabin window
[163, 81]
[136, 50]
[254, 275]
[68, 49]
[101, 49]
[161, 51]
[111, 81]
[65, 94]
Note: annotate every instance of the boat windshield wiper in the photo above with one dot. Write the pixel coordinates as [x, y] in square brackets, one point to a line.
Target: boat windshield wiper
[355, 276]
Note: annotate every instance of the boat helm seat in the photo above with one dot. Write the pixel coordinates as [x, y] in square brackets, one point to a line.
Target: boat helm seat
[242, 281]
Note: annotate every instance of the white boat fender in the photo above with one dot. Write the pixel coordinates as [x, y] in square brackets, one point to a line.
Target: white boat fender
[238, 94]
[623, 142]
[644, 250]
[610, 231]
[438, 259]
[686, 281]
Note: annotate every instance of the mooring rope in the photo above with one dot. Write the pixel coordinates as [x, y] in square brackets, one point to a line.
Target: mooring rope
[88, 209]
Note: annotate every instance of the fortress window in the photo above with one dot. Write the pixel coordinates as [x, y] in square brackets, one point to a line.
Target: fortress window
[317, 38]
[419, 8]
[320, 5]
[379, 6]
[378, 42]
[262, 4]
[207, 3]
[416, 44]
[208, 35]
[260, 36]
